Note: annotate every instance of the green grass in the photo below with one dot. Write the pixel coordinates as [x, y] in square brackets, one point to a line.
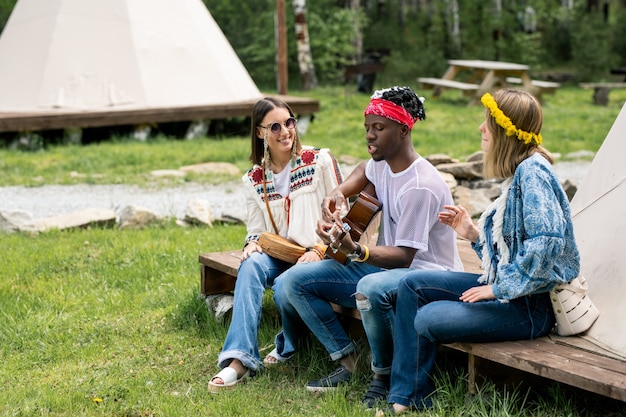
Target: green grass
[108, 322]
[105, 322]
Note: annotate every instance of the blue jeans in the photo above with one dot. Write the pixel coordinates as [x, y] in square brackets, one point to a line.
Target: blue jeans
[303, 293]
[428, 312]
[255, 274]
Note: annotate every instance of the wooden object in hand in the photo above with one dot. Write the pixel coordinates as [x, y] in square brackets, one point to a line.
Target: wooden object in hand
[363, 211]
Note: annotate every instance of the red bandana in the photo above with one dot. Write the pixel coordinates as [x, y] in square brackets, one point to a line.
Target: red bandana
[390, 110]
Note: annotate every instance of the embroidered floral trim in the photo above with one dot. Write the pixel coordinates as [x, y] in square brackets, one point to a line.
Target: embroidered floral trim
[503, 121]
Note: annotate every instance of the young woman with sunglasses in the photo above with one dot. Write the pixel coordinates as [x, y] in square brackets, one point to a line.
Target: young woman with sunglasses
[284, 192]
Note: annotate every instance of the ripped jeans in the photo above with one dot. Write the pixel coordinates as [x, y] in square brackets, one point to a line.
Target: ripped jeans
[304, 291]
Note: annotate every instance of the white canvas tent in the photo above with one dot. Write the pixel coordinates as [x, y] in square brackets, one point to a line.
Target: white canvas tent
[85, 55]
[599, 213]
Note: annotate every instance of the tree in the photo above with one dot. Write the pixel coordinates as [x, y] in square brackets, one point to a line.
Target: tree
[305, 58]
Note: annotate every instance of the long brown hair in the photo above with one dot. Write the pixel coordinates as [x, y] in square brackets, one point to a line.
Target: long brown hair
[260, 110]
[507, 152]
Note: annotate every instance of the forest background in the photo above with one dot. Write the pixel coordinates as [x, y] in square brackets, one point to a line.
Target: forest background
[579, 40]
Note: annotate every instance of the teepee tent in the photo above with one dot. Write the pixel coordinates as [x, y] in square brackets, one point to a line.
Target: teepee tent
[599, 214]
[84, 55]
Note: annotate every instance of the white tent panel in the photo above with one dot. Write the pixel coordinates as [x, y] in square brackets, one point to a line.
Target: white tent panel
[117, 54]
[599, 211]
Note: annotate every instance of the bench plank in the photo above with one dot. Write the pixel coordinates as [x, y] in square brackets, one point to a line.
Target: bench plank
[562, 363]
[545, 87]
[426, 82]
[439, 84]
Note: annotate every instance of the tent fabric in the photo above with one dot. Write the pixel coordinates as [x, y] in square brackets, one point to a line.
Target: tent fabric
[599, 216]
[117, 54]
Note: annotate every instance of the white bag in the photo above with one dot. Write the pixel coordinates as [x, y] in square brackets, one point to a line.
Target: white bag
[573, 309]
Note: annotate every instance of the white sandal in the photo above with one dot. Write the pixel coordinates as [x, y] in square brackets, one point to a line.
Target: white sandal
[274, 354]
[229, 376]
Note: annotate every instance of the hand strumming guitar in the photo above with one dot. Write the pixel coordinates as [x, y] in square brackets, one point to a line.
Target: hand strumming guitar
[331, 228]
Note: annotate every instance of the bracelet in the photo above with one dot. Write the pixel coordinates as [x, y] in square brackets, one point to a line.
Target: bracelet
[366, 250]
[321, 248]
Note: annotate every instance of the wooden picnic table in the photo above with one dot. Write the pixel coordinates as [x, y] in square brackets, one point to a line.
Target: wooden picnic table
[480, 77]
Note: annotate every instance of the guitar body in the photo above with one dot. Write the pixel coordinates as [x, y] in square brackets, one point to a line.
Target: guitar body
[363, 211]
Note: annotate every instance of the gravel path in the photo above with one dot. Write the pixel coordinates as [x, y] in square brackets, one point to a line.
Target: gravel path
[51, 200]
[226, 199]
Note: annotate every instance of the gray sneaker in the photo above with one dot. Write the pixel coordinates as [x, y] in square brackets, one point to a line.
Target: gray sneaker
[331, 382]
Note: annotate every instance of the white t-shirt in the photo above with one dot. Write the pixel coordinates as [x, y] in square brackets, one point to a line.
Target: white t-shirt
[281, 182]
[411, 200]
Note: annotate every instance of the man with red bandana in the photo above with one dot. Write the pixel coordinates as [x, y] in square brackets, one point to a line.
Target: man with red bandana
[412, 193]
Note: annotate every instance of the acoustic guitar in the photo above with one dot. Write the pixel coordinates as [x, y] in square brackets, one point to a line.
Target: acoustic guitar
[364, 209]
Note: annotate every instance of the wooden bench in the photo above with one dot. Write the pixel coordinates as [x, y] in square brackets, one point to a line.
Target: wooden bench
[365, 73]
[601, 91]
[352, 71]
[438, 84]
[545, 87]
[566, 360]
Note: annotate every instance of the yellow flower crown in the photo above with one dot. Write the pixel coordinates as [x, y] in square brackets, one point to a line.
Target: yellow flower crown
[503, 121]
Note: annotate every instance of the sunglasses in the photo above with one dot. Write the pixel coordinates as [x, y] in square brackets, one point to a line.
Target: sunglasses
[276, 127]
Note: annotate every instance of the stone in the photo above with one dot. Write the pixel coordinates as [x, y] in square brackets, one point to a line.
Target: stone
[220, 304]
[136, 217]
[212, 168]
[463, 170]
[198, 212]
[16, 221]
[438, 159]
[77, 219]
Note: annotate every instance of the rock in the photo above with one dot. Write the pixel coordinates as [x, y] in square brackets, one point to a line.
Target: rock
[474, 200]
[475, 157]
[198, 212]
[570, 189]
[16, 221]
[136, 217]
[168, 173]
[77, 219]
[220, 304]
[212, 168]
[438, 159]
[463, 170]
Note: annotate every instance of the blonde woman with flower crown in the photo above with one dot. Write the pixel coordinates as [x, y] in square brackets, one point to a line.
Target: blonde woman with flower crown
[525, 240]
[284, 192]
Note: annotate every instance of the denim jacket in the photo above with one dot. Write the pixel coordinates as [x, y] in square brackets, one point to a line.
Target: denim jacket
[538, 231]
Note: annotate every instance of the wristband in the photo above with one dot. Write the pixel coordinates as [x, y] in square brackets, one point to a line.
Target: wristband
[365, 253]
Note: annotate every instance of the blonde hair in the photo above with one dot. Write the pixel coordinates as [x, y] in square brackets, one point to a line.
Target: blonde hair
[507, 152]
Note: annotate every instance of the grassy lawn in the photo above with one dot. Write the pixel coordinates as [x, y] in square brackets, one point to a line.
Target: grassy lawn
[106, 322]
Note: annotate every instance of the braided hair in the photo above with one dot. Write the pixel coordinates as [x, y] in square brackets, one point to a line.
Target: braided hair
[404, 97]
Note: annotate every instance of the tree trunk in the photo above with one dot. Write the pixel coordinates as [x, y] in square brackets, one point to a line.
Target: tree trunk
[355, 5]
[281, 48]
[454, 25]
[305, 58]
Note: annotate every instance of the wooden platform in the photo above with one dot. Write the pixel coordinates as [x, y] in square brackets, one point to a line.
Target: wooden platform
[24, 122]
